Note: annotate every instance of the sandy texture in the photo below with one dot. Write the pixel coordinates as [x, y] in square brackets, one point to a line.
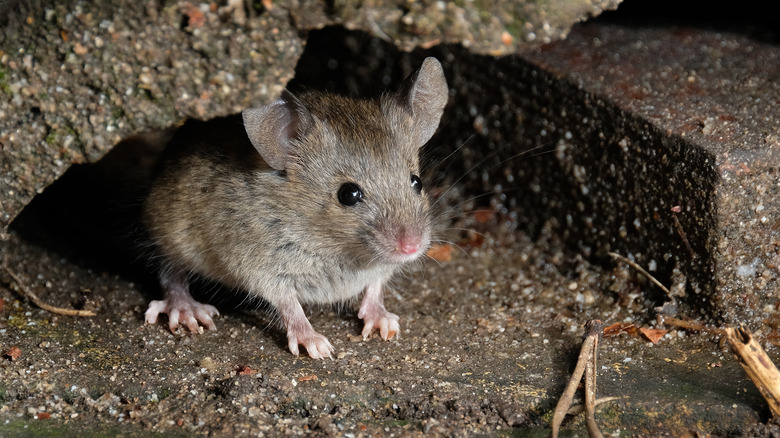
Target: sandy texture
[487, 341]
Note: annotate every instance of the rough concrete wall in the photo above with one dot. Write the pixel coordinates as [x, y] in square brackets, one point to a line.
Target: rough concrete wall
[493, 27]
[79, 76]
[715, 97]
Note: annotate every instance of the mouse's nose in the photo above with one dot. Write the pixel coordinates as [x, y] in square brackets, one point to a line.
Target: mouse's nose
[409, 243]
[402, 243]
[408, 247]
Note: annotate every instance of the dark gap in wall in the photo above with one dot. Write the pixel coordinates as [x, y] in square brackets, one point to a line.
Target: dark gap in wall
[91, 215]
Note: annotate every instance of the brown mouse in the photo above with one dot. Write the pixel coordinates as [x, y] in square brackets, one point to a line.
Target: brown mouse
[313, 198]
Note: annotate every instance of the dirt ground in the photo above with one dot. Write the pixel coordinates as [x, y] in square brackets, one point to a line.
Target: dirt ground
[488, 340]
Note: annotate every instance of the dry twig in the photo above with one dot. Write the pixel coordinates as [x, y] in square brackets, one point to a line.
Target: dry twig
[586, 364]
[683, 236]
[578, 409]
[643, 272]
[25, 292]
[690, 325]
[757, 365]
[590, 394]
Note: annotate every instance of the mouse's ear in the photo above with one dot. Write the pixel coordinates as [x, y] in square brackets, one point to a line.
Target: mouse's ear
[273, 128]
[424, 95]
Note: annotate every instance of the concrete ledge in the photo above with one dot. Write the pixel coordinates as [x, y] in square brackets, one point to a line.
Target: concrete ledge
[672, 117]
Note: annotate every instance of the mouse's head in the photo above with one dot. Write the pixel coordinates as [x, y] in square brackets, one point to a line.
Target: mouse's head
[353, 165]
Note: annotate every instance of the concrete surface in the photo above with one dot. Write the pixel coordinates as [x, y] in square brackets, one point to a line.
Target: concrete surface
[703, 134]
[77, 77]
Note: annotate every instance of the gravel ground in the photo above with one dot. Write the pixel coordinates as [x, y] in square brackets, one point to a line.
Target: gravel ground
[488, 339]
[458, 361]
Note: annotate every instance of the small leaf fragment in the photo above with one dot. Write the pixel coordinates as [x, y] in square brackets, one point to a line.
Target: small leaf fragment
[244, 370]
[653, 335]
[13, 353]
[619, 328]
[440, 252]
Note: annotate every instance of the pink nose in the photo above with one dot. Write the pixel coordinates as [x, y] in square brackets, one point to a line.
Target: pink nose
[409, 245]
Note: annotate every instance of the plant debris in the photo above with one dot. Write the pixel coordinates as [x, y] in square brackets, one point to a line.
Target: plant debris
[29, 294]
[586, 363]
[653, 335]
[758, 366]
[440, 252]
[13, 353]
[245, 371]
[620, 328]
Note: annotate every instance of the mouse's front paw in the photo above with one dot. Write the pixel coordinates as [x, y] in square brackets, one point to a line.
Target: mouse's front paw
[316, 345]
[185, 311]
[381, 319]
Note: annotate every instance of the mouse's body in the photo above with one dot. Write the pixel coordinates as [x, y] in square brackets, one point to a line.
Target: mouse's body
[310, 199]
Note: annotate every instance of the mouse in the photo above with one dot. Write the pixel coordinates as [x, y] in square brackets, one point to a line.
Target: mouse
[315, 198]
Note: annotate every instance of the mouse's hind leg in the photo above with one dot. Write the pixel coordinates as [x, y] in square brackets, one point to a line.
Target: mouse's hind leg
[179, 304]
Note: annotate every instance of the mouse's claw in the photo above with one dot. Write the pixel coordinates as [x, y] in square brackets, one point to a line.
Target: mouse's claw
[300, 331]
[179, 305]
[316, 345]
[375, 316]
[187, 312]
[387, 323]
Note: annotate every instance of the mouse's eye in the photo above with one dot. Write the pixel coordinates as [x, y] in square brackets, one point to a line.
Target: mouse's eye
[350, 194]
[416, 183]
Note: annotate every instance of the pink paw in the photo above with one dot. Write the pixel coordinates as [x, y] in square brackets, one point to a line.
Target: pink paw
[185, 311]
[379, 318]
[316, 345]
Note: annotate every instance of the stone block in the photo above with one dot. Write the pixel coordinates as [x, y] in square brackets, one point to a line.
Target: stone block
[666, 143]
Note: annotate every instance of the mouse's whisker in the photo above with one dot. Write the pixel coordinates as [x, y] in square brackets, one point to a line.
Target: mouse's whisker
[454, 245]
